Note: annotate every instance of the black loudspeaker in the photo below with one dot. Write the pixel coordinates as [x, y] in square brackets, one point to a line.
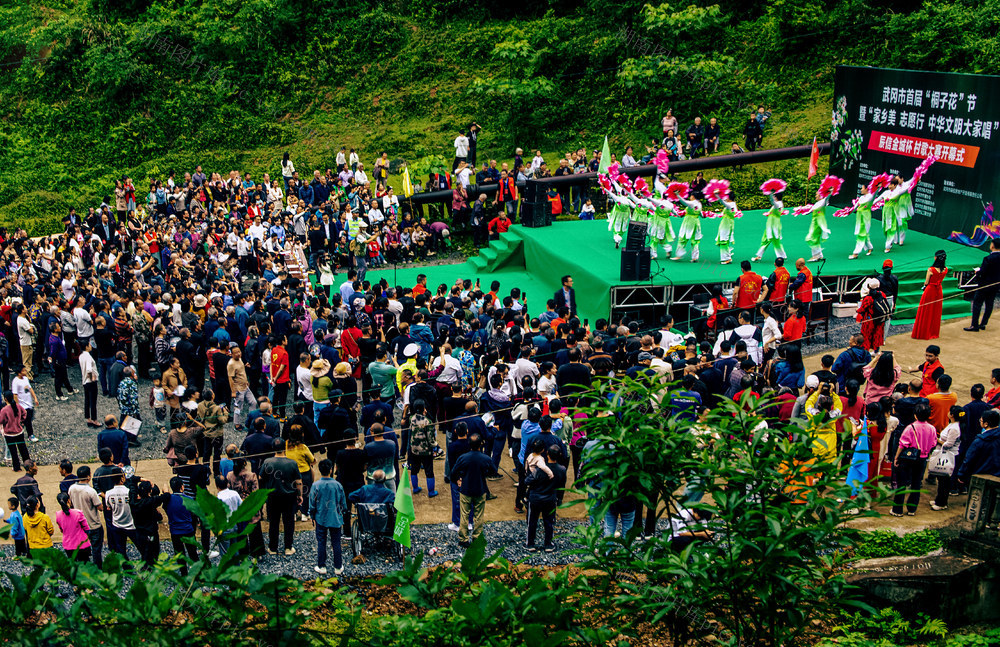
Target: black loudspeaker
[635, 239]
[635, 265]
[536, 214]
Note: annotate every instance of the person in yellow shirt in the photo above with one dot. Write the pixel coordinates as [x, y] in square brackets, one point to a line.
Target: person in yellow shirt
[824, 401]
[37, 525]
[298, 451]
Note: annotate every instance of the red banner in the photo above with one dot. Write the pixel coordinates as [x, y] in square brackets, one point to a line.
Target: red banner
[946, 152]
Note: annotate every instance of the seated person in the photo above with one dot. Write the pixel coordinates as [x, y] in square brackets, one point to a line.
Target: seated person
[375, 492]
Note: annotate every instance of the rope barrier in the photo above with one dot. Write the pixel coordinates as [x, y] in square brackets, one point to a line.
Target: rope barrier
[511, 408]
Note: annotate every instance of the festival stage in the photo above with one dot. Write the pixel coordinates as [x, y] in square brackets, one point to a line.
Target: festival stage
[534, 259]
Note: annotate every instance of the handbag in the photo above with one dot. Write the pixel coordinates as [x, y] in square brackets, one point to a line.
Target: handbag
[910, 454]
[941, 462]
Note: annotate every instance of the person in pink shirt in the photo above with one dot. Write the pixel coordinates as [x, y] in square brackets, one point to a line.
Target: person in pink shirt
[881, 376]
[915, 445]
[73, 524]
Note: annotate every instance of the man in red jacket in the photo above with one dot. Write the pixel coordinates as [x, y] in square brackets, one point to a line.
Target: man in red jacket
[499, 225]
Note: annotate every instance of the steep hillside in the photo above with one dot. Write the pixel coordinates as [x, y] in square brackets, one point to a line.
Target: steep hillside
[94, 88]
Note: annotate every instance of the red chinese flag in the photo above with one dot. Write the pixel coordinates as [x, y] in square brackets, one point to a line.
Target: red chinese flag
[814, 159]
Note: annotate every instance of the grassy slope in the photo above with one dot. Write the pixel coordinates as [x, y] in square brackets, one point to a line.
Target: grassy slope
[409, 104]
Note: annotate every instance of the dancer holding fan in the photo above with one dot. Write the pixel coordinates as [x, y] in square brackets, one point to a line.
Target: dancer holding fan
[661, 230]
[620, 214]
[818, 231]
[725, 239]
[775, 190]
[690, 232]
[862, 206]
[897, 205]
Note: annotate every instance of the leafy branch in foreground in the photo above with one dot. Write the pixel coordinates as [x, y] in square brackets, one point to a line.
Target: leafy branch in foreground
[757, 533]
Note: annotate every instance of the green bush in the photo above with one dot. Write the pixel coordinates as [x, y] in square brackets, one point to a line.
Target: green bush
[886, 543]
[39, 213]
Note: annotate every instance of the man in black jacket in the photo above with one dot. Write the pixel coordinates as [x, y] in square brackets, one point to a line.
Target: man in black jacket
[543, 492]
[469, 473]
[989, 285]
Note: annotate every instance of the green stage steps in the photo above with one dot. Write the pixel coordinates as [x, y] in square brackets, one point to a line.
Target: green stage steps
[910, 284]
[505, 252]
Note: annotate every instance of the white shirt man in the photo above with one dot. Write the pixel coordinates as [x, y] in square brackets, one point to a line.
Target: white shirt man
[452, 373]
[361, 177]
[86, 500]
[24, 330]
[257, 231]
[463, 176]
[461, 146]
[304, 380]
[121, 514]
[84, 324]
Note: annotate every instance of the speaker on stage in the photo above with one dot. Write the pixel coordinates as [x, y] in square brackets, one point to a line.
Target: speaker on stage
[635, 265]
[536, 214]
[635, 239]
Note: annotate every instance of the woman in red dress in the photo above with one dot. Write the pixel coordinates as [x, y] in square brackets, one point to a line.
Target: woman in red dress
[872, 324]
[928, 322]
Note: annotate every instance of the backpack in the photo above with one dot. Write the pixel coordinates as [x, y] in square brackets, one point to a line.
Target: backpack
[140, 326]
[421, 435]
[856, 369]
[880, 307]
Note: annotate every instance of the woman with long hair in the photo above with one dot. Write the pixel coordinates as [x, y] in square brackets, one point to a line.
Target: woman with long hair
[928, 321]
[12, 417]
[38, 526]
[75, 540]
[790, 371]
[287, 169]
[881, 376]
[872, 322]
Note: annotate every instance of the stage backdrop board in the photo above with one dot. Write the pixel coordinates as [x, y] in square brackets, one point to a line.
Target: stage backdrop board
[889, 120]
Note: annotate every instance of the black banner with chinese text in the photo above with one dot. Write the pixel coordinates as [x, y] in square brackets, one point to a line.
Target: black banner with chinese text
[888, 121]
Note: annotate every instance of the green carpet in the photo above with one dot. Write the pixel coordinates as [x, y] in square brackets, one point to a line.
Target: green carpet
[535, 259]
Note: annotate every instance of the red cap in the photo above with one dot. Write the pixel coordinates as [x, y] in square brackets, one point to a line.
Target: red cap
[887, 263]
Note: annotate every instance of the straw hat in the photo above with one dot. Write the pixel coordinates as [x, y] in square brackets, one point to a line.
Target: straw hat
[411, 350]
[200, 301]
[319, 368]
[342, 369]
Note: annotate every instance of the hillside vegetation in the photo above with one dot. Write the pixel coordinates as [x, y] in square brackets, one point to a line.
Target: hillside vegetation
[90, 89]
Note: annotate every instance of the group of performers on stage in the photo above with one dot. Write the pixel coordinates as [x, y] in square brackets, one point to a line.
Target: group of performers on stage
[635, 201]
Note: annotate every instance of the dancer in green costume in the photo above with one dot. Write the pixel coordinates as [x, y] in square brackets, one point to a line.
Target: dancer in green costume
[690, 231]
[863, 224]
[772, 228]
[620, 214]
[818, 231]
[726, 238]
[890, 204]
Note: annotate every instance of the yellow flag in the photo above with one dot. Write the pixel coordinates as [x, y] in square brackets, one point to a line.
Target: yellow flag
[407, 185]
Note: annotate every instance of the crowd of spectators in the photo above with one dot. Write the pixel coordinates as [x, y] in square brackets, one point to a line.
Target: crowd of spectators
[353, 378]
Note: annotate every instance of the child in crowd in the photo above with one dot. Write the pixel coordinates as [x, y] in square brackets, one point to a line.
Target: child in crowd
[226, 464]
[587, 212]
[375, 257]
[38, 526]
[17, 532]
[75, 540]
[158, 400]
[536, 459]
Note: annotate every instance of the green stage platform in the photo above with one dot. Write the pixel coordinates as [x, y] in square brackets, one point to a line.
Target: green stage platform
[535, 259]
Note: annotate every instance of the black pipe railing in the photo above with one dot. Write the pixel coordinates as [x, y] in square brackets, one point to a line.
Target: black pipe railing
[535, 210]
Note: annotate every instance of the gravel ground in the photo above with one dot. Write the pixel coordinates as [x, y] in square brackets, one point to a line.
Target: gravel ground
[435, 542]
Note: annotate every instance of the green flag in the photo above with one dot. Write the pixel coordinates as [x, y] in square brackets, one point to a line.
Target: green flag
[405, 514]
[605, 157]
